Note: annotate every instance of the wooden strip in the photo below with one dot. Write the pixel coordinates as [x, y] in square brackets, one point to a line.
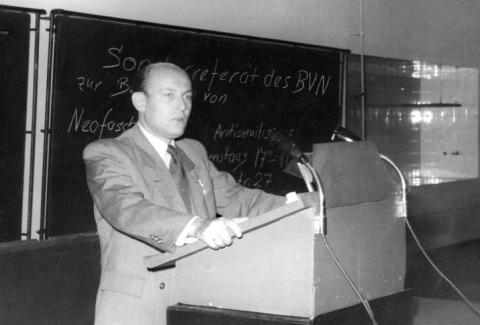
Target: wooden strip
[161, 260]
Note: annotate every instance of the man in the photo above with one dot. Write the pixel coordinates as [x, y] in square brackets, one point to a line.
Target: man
[138, 202]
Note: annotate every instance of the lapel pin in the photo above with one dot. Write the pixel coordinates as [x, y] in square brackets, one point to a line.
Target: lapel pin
[202, 186]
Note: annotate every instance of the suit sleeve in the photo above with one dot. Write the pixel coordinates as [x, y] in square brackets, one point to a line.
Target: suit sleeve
[234, 200]
[120, 200]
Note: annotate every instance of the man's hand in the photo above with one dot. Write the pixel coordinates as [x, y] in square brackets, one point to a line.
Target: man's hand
[219, 232]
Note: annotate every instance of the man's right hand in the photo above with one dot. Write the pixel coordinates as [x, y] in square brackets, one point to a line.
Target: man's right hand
[217, 233]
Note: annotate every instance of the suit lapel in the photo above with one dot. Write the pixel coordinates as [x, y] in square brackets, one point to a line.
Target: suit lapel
[150, 162]
[197, 189]
[145, 153]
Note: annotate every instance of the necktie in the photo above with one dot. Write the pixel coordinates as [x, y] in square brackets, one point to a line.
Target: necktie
[178, 174]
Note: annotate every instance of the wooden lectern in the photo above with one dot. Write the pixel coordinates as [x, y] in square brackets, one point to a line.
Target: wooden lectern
[284, 268]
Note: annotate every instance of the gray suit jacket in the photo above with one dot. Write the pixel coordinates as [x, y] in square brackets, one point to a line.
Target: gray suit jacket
[139, 212]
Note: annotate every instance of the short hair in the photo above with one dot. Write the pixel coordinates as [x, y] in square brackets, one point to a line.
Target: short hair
[139, 82]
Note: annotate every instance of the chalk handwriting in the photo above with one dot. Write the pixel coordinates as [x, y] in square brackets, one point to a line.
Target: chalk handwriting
[123, 86]
[251, 165]
[269, 159]
[209, 75]
[277, 81]
[235, 131]
[88, 84]
[279, 160]
[260, 156]
[258, 180]
[213, 98]
[299, 81]
[128, 63]
[79, 124]
[311, 82]
[213, 74]
[237, 158]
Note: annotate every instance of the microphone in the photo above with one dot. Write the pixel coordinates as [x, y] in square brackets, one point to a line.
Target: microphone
[280, 140]
[344, 135]
[286, 144]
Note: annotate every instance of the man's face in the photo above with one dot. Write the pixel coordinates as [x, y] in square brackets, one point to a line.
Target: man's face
[166, 104]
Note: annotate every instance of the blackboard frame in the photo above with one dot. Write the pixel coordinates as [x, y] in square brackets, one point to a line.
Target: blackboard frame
[65, 222]
[15, 35]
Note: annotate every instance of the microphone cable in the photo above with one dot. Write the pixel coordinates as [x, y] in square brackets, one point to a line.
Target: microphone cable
[320, 228]
[403, 214]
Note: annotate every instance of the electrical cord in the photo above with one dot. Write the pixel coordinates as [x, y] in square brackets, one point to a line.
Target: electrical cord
[364, 301]
[320, 228]
[417, 241]
[467, 301]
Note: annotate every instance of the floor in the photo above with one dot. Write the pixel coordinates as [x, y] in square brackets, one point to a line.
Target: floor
[434, 311]
[436, 302]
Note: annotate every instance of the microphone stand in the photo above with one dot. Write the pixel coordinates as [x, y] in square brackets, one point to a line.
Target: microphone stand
[285, 144]
[306, 175]
[307, 171]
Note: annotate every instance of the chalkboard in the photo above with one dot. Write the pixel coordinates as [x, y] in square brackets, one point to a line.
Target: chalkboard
[245, 88]
[14, 47]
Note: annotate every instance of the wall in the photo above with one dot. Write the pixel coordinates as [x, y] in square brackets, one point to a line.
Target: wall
[440, 31]
[437, 31]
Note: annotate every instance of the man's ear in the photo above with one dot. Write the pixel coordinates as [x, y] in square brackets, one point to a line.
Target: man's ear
[138, 100]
